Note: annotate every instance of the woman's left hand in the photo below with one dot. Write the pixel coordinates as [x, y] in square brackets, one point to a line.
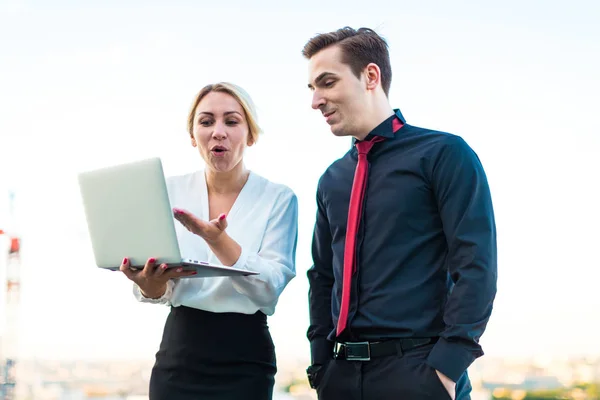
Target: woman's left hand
[210, 231]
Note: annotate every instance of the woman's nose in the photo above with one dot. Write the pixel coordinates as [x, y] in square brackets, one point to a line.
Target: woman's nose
[219, 131]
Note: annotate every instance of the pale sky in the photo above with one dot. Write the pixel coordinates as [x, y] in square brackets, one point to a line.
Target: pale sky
[85, 86]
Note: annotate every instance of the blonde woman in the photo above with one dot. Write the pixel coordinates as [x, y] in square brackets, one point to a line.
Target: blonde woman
[216, 343]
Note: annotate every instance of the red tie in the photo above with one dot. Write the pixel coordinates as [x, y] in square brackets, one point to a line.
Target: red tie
[354, 214]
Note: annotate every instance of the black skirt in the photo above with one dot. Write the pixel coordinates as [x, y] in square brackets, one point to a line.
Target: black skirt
[206, 355]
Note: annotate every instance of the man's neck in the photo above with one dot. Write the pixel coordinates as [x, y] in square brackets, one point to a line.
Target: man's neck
[380, 111]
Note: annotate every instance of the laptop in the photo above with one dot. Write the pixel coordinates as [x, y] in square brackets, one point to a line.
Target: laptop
[128, 214]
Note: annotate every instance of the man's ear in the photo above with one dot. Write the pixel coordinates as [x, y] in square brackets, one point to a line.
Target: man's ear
[372, 76]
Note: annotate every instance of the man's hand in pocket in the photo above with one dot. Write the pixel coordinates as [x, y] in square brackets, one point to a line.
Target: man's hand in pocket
[448, 384]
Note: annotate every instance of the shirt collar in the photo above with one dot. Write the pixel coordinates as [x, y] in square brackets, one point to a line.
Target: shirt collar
[385, 129]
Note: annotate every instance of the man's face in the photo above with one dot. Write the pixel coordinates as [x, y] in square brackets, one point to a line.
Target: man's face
[337, 92]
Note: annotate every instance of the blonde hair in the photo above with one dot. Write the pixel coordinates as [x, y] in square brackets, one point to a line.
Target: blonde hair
[240, 95]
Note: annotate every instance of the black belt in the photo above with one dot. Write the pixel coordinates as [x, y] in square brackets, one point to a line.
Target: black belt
[364, 351]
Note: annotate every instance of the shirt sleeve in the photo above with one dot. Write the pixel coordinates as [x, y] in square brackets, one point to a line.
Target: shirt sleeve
[465, 205]
[321, 280]
[164, 299]
[275, 261]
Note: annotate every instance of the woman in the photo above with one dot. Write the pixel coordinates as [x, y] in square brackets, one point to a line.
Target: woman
[216, 342]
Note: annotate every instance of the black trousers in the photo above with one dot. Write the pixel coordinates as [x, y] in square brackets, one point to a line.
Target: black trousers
[396, 377]
[221, 356]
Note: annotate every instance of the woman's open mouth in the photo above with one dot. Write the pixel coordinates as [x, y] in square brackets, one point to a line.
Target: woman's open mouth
[218, 151]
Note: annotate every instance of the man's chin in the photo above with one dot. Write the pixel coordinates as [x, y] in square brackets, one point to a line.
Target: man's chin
[338, 130]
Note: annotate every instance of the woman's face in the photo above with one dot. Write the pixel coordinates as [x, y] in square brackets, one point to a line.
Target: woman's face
[220, 131]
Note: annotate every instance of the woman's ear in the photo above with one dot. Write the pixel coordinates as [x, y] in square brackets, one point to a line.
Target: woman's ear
[194, 143]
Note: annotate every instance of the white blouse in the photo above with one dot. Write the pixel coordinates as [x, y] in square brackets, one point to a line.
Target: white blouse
[263, 221]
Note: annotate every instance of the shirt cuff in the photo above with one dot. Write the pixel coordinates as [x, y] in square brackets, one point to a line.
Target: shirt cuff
[164, 299]
[321, 351]
[452, 358]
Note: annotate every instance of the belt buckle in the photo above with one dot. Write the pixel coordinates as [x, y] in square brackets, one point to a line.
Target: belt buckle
[357, 351]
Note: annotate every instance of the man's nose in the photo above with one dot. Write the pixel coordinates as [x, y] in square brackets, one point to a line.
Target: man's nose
[317, 101]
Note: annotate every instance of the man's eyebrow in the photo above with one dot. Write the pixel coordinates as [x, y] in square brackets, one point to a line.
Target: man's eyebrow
[321, 78]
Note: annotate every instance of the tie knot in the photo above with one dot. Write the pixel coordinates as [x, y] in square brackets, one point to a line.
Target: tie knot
[365, 146]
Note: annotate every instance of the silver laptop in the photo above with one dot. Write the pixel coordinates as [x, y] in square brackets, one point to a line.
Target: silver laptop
[129, 215]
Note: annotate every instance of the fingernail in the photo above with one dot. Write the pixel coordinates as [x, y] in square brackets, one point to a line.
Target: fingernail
[177, 211]
[125, 260]
[164, 266]
[179, 269]
[194, 273]
[222, 217]
[152, 260]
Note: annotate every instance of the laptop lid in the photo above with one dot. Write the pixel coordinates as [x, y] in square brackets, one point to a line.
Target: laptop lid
[128, 214]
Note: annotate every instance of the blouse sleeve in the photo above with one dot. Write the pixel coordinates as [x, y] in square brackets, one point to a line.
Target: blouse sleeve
[164, 299]
[275, 260]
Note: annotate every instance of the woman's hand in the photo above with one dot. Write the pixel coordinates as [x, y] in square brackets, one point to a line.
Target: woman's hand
[153, 279]
[210, 231]
[213, 232]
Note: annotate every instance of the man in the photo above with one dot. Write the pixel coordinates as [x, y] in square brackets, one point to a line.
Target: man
[404, 245]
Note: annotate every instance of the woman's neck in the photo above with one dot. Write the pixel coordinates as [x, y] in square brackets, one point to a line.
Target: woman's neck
[226, 182]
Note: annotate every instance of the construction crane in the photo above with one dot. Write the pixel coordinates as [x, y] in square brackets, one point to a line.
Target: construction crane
[10, 260]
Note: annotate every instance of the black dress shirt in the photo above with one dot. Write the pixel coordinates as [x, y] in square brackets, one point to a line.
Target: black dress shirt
[426, 248]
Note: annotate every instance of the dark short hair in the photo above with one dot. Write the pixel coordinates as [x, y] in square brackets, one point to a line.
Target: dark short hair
[359, 48]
